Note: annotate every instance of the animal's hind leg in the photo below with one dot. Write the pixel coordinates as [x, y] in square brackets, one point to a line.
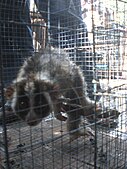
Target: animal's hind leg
[73, 123]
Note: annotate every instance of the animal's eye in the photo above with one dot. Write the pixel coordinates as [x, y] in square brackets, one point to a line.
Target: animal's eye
[23, 105]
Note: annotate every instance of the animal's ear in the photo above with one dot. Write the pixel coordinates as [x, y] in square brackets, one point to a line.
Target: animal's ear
[9, 92]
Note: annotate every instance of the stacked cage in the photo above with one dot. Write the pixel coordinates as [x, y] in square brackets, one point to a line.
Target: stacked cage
[93, 35]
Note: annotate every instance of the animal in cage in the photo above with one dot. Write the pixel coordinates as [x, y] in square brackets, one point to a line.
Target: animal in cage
[43, 83]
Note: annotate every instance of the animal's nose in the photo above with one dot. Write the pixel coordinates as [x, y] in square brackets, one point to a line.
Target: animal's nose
[31, 118]
[32, 123]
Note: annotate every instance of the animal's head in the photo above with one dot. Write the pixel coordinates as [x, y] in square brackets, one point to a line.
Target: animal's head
[31, 100]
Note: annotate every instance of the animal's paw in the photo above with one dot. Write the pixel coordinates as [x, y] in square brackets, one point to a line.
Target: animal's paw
[61, 117]
[89, 132]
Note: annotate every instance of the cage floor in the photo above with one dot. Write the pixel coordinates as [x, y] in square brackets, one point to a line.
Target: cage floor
[47, 146]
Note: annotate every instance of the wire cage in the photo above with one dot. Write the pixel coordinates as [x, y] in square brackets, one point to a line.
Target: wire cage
[93, 34]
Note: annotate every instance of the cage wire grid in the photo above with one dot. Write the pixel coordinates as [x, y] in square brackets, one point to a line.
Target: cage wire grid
[94, 35]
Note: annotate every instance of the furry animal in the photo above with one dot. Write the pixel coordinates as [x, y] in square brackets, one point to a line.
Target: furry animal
[43, 83]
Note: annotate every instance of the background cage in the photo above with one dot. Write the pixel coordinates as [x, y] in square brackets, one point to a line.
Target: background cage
[94, 34]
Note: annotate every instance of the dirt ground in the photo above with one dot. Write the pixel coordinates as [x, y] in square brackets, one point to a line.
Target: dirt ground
[47, 146]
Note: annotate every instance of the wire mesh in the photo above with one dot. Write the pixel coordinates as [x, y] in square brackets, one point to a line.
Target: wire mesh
[93, 33]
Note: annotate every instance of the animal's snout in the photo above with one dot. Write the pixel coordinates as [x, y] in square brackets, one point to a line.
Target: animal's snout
[32, 119]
